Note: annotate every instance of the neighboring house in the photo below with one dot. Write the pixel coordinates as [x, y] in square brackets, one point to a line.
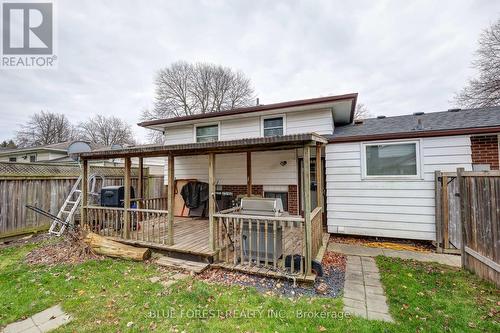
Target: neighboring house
[379, 172]
[46, 153]
[58, 153]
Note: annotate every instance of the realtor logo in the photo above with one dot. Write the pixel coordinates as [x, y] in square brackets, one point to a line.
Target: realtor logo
[27, 35]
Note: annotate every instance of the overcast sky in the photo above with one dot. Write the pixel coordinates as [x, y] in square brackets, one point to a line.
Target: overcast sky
[400, 56]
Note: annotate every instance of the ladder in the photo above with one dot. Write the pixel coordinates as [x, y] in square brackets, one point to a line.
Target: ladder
[71, 205]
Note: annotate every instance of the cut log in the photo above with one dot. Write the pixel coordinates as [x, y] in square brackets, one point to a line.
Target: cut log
[110, 248]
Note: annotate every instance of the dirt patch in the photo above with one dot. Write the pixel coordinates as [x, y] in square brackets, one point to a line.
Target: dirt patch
[69, 249]
[388, 243]
[330, 284]
[24, 240]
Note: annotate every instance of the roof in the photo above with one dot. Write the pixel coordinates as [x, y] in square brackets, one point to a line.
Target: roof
[60, 147]
[452, 122]
[258, 108]
[241, 145]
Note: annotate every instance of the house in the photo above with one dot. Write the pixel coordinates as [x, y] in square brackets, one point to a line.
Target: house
[59, 153]
[379, 174]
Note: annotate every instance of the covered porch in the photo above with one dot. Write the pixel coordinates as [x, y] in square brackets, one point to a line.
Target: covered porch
[282, 246]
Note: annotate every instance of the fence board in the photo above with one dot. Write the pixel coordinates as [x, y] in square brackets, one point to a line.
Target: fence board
[47, 186]
[480, 213]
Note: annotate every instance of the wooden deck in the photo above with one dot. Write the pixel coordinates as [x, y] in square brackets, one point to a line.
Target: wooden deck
[190, 237]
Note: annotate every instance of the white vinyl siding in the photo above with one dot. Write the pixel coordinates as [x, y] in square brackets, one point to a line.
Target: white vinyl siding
[401, 208]
[230, 169]
[240, 128]
[179, 135]
[317, 121]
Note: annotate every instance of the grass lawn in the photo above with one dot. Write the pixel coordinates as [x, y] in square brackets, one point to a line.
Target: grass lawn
[116, 295]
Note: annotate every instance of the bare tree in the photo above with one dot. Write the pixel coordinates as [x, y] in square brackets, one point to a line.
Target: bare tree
[106, 131]
[484, 90]
[184, 89]
[45, 128]
[361, 112]
[8, 144]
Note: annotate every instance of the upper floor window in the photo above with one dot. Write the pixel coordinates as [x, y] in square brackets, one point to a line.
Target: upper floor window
[273, 126]
[392, 160]
[207, 133]
[12, 159]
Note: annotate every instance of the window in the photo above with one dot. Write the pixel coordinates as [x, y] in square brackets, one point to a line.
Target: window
[32, 158]
[273, 126]
[281, 195]
[392, 159]
[12, 159]
[207, 133]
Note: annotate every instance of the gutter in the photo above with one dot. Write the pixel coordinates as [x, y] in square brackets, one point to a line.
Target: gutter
[422, 134]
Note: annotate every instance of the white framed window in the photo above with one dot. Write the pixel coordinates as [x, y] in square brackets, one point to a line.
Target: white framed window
[391, 160]
[206, 132]
[273, 125]
[12, 159]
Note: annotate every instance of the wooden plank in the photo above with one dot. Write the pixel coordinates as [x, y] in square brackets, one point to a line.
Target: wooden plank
[140, 183]
[192, 266]
[211, 202]
[319, 180]
[170, 200]
[438, 210]
[463, 210]
[307, 208]
[126, 198]
[445, 211]
[485, 260]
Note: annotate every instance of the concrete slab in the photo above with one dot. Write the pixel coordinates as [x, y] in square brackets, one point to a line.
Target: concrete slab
[377, 303]
[372, 282]
[19, 326]
[356, 311]
[45, 321]
[48, 314]
[354, 303]
[54, 323]
[380, 316]
[373, 290]
[355, 291]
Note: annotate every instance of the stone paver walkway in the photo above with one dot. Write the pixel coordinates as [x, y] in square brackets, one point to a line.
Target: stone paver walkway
[364, 295]
[44, 321]
[365, 251]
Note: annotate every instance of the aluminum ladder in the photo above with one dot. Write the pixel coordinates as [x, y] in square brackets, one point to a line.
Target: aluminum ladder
[71, 205]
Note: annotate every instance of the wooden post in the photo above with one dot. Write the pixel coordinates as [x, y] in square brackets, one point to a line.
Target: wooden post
[438, 210]
[140, 183]
[319, 181]
[307, 209]
[84, 189]
[170, 200]
[249, 173]
[463, 210]
[126, 199]
[211, 201]
[445, 210]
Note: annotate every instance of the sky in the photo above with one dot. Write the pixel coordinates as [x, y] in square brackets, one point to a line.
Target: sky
[400, 56]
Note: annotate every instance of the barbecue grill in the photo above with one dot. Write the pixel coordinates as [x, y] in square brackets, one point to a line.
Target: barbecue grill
[261, 207]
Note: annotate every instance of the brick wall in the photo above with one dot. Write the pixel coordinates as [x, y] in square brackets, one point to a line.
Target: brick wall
[293, 200]
[485, 150]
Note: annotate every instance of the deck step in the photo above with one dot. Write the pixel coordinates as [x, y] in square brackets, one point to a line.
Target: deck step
[192, 266]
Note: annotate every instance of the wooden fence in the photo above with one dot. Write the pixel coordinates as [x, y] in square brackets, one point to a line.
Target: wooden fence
[448, 223]
[47, 186]
[480, 217]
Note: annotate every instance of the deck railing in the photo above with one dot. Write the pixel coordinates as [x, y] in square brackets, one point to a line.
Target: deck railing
[264, 243]
[158, 203]
[316, 230]
[145, 225]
